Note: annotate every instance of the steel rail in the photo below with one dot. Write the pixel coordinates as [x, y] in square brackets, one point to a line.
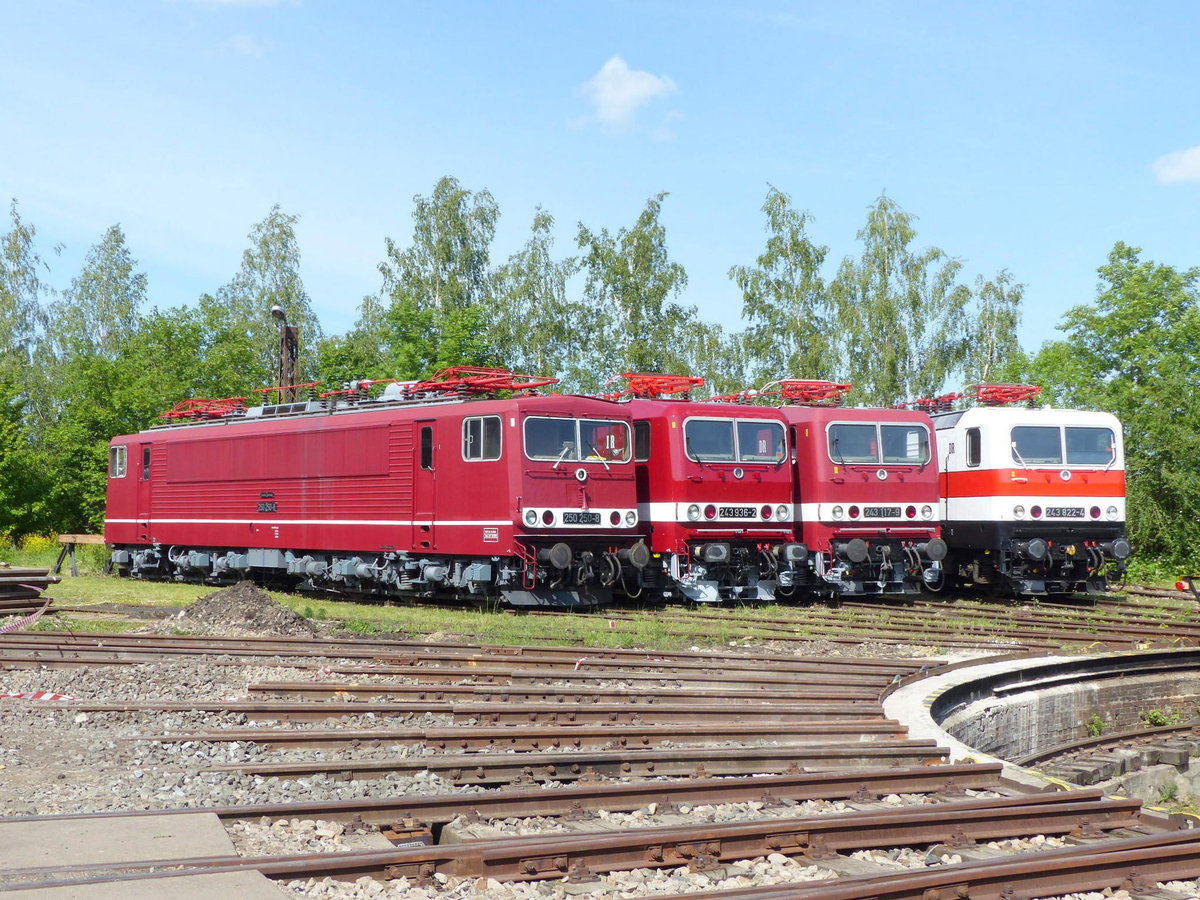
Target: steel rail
[495, 713]
[840, 631]
[715, 678]
[1139, 735]
[864, 784]
[417, 653]
[530, 858]
[542, 737]
[549, 694]
[1123, 628]
[509, 768]
[1135, 864]
[660, 713]
[901, 627]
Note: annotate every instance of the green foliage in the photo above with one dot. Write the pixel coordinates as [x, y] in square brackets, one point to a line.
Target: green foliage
[268, 276]
[1169, 792]
[436, 287]
[1157, 718]
[1096, 725]
[906, 320]
[994, 349]
[1134, 352]
[361, 352]
[535, 325]
[21, 290]
[630, 280]
[785, 301]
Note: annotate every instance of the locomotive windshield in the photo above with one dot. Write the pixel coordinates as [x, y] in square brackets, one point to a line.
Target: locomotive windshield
[1090, 446]
[727, 440]
[1043, 445]
[872, 444]
[577, 440]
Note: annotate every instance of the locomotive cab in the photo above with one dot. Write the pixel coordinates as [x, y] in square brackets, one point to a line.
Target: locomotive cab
[715, 487]
[867, 499]
[714, 496]
[1034, 499]
[572, 468]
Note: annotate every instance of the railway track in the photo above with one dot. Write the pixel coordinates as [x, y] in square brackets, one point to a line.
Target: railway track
[485, 768]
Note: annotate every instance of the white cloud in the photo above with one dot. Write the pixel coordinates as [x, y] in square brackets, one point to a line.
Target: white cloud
[247, 46]
[617, 92]
[1182, 165]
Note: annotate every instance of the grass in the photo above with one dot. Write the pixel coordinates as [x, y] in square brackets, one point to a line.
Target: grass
[74, 625]
[624, 630]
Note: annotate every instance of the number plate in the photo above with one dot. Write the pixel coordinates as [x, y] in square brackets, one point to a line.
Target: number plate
[881, 512]
[581, 518]
[737, 512]
[1064, 512]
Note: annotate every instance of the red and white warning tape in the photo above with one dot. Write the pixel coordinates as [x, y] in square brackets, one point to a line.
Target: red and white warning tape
[35, 695]
[25, 622]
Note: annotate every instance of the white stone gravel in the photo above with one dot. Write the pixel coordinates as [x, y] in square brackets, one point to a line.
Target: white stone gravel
[773, 869]
[97, 769]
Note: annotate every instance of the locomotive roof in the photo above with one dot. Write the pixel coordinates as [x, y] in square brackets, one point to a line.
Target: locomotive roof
[686, 408]
[315, 410]
[1023, 415]
[800, 413]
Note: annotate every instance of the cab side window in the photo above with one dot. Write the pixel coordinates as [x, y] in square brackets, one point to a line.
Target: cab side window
[641, 441]
[481, 438]
[117, 462]
[427, 447]
[974, 451]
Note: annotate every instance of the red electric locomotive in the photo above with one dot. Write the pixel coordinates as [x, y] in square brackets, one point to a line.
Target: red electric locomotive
[714, 493]
[428, 489]
[1034, 498]
[866, 492]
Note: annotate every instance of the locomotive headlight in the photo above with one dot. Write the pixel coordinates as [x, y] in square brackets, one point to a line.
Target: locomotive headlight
[1018, 511]
[1111, 512]
[693, 512]
[838, 512]
[531, 517]
[781, 512]
[631, 518]
[926, 511]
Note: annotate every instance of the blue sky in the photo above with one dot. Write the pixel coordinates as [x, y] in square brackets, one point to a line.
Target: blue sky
[1027, 136]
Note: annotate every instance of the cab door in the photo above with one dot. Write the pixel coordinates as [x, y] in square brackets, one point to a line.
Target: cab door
[145, 472]
[424, 484]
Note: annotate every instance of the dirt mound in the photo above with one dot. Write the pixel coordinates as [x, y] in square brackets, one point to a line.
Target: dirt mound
[244, 608]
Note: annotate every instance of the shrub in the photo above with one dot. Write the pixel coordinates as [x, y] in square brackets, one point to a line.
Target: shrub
[1157, 718]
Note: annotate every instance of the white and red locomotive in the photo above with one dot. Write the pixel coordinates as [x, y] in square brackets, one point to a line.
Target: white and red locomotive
[714, 493]
[1033, 499]
[430, 489]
